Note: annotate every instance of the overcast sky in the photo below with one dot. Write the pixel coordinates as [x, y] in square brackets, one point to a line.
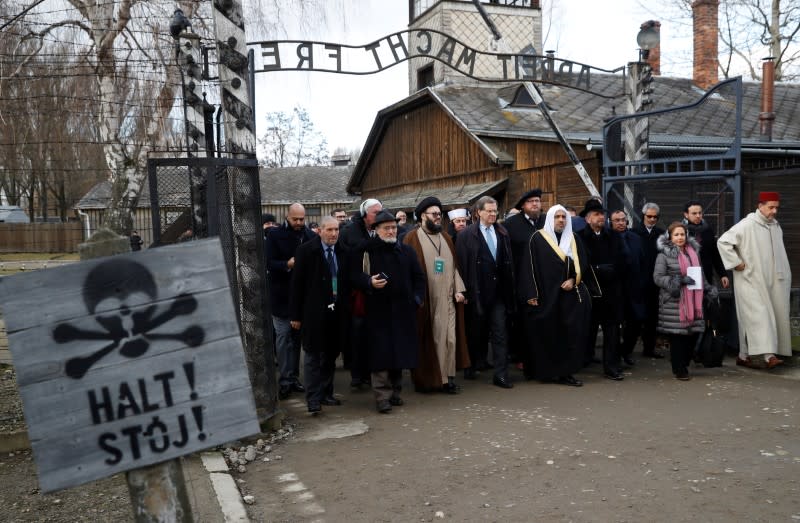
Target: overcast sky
[343, 107]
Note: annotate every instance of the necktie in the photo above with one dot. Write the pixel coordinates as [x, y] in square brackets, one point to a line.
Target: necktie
[331, 261]
[490, 242]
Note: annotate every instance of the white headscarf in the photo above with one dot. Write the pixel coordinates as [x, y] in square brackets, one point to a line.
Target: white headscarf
[565, 244]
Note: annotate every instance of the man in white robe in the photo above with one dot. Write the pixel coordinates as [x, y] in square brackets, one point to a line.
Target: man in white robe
[754, 249]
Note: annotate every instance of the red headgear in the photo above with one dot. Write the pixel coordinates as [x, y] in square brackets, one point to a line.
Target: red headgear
[768, 197]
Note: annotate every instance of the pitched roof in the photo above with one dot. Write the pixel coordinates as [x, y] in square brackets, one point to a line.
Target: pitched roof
[309, 184]
[486, 114]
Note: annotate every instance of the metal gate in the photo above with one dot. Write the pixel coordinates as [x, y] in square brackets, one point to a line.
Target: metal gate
[670, 156]
[202, 197]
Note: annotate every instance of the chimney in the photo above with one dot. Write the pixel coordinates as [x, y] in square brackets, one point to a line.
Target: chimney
[705, 14]
[653, 56]
[767, 115]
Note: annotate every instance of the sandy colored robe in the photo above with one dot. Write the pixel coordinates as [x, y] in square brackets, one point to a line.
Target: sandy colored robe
[762, 288]
[440, 324]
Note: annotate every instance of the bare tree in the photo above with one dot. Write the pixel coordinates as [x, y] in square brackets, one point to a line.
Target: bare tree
[749, 31]
[291, 140]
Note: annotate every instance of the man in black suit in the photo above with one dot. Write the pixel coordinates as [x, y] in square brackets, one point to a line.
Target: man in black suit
[487, 268]
[317, 308]
[607, 259]
[281, 243]
[649, 231]
[520, 228]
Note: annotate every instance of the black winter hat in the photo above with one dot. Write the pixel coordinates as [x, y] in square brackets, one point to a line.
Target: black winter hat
[592, 204]
[424, 205]
[530, 194]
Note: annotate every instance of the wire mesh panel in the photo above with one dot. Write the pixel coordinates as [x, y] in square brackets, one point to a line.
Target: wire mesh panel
[700, 138]
[233, 212]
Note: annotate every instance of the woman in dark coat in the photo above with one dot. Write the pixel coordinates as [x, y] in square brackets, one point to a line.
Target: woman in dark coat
[389, 274]
[680, 311]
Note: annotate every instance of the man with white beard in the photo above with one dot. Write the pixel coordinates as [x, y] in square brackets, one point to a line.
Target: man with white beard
[394, 286]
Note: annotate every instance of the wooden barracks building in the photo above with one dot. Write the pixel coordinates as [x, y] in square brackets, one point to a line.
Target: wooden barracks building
[459, 139]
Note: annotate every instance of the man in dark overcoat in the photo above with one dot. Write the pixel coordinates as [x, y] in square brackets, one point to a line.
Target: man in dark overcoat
[394, 285]
[487, 268]
[280, 246]
[520, 228]
[634, 283]
[555, 290]
[318, 309]
[649, 232]
[607, 260]
[352, 237]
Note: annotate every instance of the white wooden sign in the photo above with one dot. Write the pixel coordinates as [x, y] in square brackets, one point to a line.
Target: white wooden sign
[127, 361]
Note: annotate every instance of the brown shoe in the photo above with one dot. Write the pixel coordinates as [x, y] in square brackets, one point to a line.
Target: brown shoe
[746, 362]
[774, 362]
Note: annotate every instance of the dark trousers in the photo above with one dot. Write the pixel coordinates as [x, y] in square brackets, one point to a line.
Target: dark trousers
[387, 384]
[318, 370]
[491, 326]
[648, 326]
[359, 361]
[610, 341]
[681, 351]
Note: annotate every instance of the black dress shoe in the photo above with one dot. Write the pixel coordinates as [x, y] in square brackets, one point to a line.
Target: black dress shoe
[314, 407]
[470, 374]
[298, 387]
[331, 401]
[570, 380]
[397, 401]
[450, 388]
[503, 383]
[612, 375]
[630, 362]
[384, 406]
[284, 392]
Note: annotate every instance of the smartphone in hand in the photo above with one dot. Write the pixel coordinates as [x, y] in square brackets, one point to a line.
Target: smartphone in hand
[383, 276]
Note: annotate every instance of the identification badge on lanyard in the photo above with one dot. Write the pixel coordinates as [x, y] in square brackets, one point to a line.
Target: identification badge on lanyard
[438, 265]
[335, 285]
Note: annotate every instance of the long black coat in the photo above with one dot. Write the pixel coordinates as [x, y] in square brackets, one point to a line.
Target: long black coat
[710, 259]
[280, 245]
[485, 279]
[520, 230]
[391, 321]
[311, 293]
[606, 254]
[556, 328]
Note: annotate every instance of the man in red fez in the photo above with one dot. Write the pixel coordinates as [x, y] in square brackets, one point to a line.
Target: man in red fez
[754, 249]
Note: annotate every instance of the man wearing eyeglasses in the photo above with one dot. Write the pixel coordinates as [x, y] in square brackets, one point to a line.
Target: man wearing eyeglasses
[649, 232]
[440, 321]
[486, 265]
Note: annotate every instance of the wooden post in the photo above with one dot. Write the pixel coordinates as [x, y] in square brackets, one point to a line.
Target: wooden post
[158, 492]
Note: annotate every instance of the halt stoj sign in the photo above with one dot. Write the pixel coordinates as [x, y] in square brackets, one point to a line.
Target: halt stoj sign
[127, 361]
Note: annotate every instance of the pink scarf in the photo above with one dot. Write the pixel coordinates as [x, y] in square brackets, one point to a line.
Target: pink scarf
[690, 304]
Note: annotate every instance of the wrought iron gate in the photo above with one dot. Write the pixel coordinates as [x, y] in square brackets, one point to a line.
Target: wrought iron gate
[203, 197]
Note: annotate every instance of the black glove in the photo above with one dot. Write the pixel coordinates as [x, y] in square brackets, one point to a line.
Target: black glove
[675, 293]
[687, 280]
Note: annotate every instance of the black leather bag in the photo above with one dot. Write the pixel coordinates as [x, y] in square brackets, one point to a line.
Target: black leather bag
[710, 348]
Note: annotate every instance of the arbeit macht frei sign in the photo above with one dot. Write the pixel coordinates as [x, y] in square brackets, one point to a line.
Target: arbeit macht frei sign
[303, 55]
[127, 361]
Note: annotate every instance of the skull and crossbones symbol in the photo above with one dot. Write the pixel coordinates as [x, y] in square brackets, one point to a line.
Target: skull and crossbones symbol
[119, 286]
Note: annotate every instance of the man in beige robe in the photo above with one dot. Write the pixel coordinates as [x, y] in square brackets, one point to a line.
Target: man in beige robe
[439, 332]
[754, 249]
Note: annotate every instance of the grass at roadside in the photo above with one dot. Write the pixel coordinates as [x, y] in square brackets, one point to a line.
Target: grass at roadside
[39, 256]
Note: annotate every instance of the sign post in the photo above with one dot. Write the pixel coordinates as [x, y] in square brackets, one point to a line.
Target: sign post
[126, 363]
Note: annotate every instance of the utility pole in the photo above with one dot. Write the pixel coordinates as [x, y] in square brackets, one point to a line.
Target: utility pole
[195, 107]
[242, 194]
